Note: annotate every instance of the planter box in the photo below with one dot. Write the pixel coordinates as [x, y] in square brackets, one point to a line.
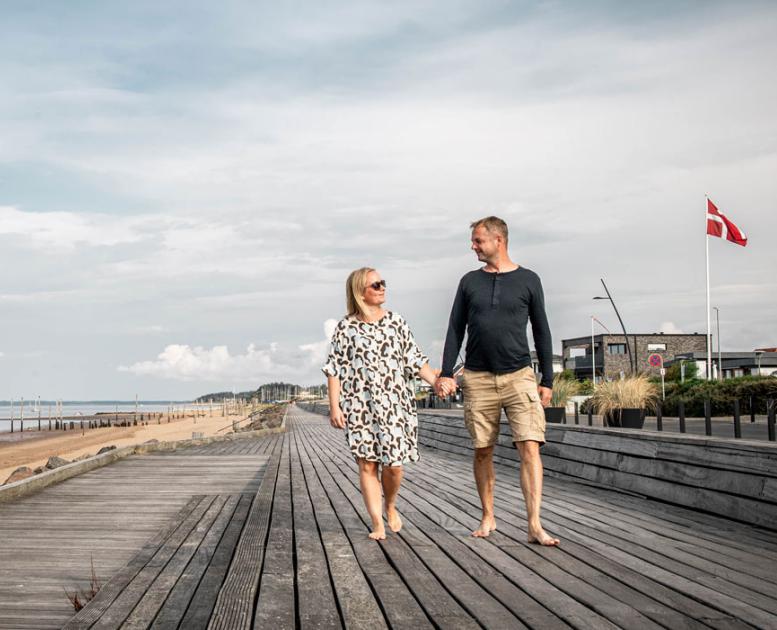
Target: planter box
[555, 414]
[631, 418]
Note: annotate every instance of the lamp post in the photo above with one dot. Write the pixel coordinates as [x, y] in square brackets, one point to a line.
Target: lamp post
[593, 354]
[593, 349]
[758, 354]
[615, 308]
[717, 334]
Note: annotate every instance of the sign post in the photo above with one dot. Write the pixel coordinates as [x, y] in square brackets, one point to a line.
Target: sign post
[656, 360]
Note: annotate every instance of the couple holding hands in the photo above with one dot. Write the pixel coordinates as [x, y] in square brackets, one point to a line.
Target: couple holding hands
[374, 357]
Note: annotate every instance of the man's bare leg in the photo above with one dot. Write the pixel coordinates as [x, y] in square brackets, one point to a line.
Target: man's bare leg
[483, 467]
[391, 478]
[370, 485]
[531, 484]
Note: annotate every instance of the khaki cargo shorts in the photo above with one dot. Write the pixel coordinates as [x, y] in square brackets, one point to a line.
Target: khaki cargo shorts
[486, 394]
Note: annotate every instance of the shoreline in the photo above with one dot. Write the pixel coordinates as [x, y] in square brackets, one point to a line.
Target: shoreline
[33, 448]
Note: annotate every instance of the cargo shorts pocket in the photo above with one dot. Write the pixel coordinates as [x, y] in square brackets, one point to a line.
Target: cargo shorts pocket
[538, 411]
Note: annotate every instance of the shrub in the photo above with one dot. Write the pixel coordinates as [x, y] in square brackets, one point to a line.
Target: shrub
[722, 395]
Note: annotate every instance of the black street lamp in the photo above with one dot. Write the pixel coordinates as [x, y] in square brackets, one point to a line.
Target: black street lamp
[615, 308]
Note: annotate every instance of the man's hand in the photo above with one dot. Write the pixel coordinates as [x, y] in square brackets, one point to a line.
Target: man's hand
[545, 394]
[336, 418]
[444, 386]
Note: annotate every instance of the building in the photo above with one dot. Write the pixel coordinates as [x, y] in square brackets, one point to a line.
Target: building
[611, 358]
[759, 362]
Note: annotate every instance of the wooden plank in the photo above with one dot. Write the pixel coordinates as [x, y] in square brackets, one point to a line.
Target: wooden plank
[453, 482]
[533, 583]
[204, 600]
[235, 603]
[180, 596]
[111, 589]
[672, 574]
[122, 606]
[398, 602]
[156, 593]
[316, 605]
[437, 602]
[356, 601]
[276, 604]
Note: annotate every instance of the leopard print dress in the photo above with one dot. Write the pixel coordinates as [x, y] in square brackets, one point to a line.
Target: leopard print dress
[375, 362]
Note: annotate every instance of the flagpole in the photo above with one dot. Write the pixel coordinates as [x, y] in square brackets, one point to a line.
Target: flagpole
[709, 321]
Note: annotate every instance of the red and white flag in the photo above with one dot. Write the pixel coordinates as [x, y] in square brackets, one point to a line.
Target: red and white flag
[722, 227]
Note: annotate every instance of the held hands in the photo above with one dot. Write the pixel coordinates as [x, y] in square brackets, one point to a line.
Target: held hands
[545, 394]
[337, 418]
[444, 386]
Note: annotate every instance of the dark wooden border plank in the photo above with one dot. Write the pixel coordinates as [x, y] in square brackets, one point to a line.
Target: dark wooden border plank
[235, 603]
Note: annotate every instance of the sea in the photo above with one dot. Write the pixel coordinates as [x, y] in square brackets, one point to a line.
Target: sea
[74, 408]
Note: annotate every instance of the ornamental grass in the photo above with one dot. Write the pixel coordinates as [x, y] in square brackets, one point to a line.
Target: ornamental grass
[563, 390]
[634, 392]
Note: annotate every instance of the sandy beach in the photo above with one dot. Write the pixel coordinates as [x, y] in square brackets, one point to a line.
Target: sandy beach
[35, 448]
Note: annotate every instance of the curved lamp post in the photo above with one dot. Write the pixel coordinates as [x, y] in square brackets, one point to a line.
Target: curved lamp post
[628, 345]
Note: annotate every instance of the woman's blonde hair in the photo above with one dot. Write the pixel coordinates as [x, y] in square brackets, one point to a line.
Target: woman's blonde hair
[354, 292]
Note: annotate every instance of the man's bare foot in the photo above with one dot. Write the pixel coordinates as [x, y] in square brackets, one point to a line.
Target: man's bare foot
[394, 522]
[541, 537]
[487, 525]
[378, 534]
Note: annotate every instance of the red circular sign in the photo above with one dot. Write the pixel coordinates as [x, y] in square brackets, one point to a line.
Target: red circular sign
[656, 360]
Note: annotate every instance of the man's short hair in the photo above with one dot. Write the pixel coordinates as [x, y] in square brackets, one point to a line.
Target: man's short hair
[492, 224]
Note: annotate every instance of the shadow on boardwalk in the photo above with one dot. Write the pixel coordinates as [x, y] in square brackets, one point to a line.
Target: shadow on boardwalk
[293, 551]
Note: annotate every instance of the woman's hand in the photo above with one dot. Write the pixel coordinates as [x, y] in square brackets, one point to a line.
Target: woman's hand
[336, 418]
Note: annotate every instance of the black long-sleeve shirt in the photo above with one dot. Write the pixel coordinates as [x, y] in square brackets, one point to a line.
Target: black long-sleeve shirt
[494, 308]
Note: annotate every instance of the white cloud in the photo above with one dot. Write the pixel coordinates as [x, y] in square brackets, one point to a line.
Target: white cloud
[68, 230]
[317, 351]
[182, 362]
[669, 328]
[187, 363]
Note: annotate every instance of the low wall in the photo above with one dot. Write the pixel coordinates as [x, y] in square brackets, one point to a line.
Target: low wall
[732, 478]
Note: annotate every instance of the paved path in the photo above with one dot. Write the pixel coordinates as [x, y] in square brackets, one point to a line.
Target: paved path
[299, 556]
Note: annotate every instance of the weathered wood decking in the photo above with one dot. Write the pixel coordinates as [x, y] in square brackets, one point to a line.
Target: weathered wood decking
[295, 553]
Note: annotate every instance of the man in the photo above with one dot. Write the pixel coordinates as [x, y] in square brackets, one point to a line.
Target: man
[493, 305]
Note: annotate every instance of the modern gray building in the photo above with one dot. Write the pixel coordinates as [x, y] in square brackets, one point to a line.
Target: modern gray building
[610, 356]
[733, 364]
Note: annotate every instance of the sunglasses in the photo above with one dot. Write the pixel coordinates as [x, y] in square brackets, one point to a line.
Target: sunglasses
[376, 286]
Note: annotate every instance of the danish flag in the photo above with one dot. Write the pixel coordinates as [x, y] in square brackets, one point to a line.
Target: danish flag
[722, 227]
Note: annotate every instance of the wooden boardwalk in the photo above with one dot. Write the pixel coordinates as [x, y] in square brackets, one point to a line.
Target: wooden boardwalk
[47, 540]
[294, 552]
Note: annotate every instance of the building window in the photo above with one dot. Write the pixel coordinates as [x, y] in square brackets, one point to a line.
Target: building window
[616, 348]
[653, 347]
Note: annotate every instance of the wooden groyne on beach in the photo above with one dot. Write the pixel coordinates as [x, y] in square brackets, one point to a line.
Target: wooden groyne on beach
[271, 532]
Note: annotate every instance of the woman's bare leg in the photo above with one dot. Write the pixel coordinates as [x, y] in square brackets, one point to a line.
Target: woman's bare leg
[391, 480]
[371, 493]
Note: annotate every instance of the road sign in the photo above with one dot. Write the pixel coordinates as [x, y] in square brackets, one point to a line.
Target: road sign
[663, 372]
[656, 360]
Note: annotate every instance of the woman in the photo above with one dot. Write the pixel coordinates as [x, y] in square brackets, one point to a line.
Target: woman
[372, 360]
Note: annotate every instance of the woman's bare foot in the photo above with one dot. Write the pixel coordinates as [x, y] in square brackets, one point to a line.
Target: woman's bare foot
[540, 537]
[378, 532]
[487, 525]
[394, 522]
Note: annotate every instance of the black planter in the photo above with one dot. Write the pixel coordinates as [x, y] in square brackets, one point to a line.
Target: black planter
[555, 414]
[632, 418]
[611, 419]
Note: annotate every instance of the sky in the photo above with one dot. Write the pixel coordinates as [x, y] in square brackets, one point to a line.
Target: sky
[185, 186]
